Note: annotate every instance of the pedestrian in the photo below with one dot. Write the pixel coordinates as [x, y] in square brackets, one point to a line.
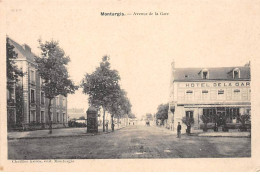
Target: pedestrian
[107, 126]
[179, 130]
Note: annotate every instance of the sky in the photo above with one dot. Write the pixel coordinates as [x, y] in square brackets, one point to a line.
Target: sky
[194, 34]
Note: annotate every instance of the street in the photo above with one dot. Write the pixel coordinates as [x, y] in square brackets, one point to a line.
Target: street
[130, 142]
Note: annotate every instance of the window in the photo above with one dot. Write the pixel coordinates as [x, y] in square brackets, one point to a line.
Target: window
[42, 117]
[32, 116]
[41, 81]
[58, 116]
[63, 101]
[42, 98]
[32, 96]
[189, 95]
[51, 116]
[221, 95]
[63, 115]
[205, 74]
[209, 112]
[237, 94]
[10, 95]
[248, 111]
[57, 101]
[236, 73]
[205, 94]
[232, 112]
[32, 76]
[220, 92]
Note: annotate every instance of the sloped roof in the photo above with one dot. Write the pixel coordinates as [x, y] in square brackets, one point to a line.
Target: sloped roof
[219, 73]
[20, 50]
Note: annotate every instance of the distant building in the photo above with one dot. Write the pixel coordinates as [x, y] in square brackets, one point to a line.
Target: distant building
[34, 108]
[76, 113]
[207, 91]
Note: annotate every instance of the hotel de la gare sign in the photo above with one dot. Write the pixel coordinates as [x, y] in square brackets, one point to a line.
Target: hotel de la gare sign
[214, 84]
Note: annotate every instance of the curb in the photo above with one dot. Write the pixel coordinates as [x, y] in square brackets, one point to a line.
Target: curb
[79, 135]
[228, 136]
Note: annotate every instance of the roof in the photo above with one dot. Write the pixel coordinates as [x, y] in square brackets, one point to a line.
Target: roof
[21, 50]
[219, 73]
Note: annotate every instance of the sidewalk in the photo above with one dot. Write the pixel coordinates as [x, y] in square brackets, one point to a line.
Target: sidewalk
[200, 133]
[62, 132]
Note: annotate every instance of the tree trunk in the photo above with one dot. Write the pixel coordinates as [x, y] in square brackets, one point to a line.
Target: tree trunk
[112, 125]
[104, 112]
[49, 115]
[205, 127]
[118, 122]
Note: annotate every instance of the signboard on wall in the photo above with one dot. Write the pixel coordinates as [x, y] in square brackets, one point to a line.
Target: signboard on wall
[214, 84]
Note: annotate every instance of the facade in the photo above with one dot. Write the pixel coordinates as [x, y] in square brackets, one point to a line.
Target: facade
[34, 105]
[208, 91]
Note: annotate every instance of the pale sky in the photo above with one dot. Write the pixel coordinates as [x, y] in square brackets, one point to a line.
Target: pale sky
[141, 48]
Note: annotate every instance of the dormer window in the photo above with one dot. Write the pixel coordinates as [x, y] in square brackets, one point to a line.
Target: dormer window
[205, 74]
[236, 73]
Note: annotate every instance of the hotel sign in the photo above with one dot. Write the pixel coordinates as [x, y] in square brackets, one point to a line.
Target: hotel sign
[215, 84]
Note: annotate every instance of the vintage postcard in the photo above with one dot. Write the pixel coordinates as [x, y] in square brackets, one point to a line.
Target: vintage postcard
[122, 85]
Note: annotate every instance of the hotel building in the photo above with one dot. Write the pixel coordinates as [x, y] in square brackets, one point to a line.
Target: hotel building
[207, 91]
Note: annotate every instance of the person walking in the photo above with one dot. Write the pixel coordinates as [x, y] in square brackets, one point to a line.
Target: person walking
[179, 130]
[107, 126]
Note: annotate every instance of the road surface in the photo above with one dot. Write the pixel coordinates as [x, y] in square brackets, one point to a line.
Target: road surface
[130, 142]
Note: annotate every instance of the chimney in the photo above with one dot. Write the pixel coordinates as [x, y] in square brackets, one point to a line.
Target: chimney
[26, 48]
[173, 64]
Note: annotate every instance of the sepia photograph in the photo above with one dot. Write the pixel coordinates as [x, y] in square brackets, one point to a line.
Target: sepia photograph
[140, 86]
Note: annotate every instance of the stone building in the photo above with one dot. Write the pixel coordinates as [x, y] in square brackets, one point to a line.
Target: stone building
[208, 91]
[34, 110]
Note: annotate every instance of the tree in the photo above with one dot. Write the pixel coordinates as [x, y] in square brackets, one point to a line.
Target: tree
[162, 112]
[205, 119]
[82, 118]
[243, 119]
[188, 121]
[52, 69]
[119, 105]
[12, 70]
[13, 74]
[102, 86]
[131, 115]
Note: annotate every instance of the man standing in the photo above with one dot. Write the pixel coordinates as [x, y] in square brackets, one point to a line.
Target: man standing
[179, 130]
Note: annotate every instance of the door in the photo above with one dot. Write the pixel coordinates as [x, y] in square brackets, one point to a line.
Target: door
[189, 115]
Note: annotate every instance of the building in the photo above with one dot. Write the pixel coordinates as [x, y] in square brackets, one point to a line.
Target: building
[76, 113]
[34, 105]
[208, 91]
